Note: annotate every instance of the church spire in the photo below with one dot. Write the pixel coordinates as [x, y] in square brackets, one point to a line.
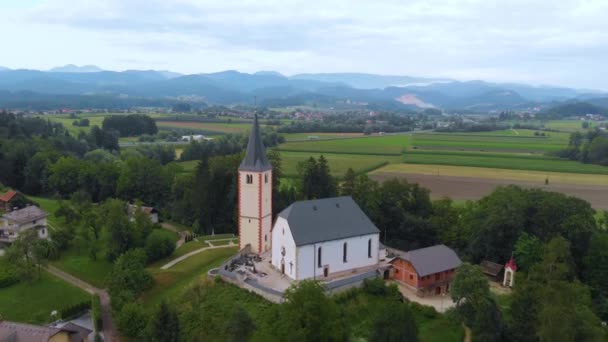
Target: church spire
[255, 159]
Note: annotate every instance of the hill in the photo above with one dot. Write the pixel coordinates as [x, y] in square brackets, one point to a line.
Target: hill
[75, 68]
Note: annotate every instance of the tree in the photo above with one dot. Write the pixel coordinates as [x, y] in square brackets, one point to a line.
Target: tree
[308, 315]
[316, 180]
[164, 325]
[528, 251]
[395, 323]
[119, 233]
[132, 320]
[524, 311]
[129, 277]
[596, 273]
[159, 245]
[239, 327]
[27, 254]
[347, 187]
[475, 305]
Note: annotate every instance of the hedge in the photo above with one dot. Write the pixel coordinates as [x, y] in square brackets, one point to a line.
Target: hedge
[75, 309]
[96, 313]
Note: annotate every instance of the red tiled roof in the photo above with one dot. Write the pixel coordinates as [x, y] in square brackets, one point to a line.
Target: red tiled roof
[511, 264]
[8, 196]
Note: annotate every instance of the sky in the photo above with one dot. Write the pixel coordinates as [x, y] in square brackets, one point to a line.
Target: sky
[537, 42]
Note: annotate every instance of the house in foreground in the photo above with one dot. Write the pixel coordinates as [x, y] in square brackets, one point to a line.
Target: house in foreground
[20, 332]
[428, 271]
[17, 221]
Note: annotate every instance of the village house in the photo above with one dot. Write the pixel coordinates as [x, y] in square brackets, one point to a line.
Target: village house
[17, 221]
[428, 271]
[21, 332]
[150, 211]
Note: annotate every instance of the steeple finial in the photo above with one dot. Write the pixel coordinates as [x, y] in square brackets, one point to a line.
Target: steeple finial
[255, 157]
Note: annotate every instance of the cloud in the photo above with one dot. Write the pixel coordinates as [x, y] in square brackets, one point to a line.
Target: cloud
[533, 41]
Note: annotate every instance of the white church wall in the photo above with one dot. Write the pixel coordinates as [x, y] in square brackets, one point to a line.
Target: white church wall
[332, 256]
[282, 238]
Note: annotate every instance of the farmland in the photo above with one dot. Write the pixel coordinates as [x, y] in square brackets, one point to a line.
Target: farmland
[210, 128]
[338, 163]
[377, 145]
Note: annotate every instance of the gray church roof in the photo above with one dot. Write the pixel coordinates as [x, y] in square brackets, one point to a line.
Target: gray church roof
[326, 219]
[432, 259]
[255, 159]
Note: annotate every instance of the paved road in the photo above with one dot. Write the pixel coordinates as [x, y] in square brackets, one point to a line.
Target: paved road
[109, 332]
[186, 256]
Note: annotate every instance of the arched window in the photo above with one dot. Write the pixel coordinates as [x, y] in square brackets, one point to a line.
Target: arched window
[344, 252]
[319, 258]
[266, 178]
[249, 179]
[369, 248]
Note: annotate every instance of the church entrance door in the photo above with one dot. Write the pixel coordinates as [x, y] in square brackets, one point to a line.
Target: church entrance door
[326, 271]
[282, 266]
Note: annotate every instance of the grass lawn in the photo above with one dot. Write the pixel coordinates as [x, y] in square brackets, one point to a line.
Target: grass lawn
[225, 242]
[502, 161]
[375, 145]
[493, 173]
[81, 266]
[33, 302]
[169, 284]
[216, 237]
[338, 163]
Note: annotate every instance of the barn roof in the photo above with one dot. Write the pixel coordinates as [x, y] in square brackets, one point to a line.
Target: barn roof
[6, 197]
[432, 259]
[255, 158]
[326, 219]
[490, 268]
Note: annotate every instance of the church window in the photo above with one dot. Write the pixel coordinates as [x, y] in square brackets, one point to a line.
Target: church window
[345, 252]
[265, 237]
[249, 179]
[266, 178]
[319, 258]
[369, 248]
[283, 231]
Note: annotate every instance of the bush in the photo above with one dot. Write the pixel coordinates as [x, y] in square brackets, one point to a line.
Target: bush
[159, 245]
[424, 310]
[132, 320]
[9, 275]
[75, 309]
[96, 313]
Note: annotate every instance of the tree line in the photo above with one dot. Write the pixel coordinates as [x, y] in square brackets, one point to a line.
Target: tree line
[589, 147]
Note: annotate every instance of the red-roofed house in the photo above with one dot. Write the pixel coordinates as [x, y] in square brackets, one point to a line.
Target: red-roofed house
[6, 200]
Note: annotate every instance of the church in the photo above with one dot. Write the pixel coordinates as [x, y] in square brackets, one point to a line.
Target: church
[309, 239]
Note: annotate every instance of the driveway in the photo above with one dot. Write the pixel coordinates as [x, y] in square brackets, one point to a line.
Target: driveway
[110, 334]
[440, 303]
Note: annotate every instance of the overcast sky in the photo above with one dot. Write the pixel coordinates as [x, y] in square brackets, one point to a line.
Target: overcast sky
[556, 42]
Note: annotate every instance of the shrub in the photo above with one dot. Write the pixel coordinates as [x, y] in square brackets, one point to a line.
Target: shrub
[96, 313]
[159, 245]
[9, 275]
[75, 309]
[424, 310]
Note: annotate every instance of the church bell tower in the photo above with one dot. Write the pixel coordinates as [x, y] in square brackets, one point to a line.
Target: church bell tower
[255, 195]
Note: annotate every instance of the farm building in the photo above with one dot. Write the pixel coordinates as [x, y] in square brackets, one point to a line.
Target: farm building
[9, 200]
[491, 269]
[11, 331]
[17, 221]
[150, 211]
[428, 271]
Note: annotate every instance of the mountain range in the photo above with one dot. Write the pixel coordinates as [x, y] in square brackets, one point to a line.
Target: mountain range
[271, 88]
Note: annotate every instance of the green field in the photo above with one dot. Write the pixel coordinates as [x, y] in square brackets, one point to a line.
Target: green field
[338, 163]
[207, 127]
[95, 120]
[171, 283]
[319, 136]
[502, 161]
[376, 145]
[33, 302]
[485, 142]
